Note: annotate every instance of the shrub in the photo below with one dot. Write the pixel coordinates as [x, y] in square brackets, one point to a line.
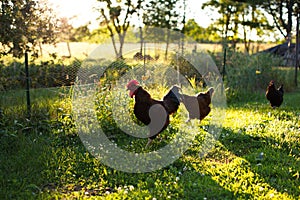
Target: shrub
[43, 74]
[251, 74]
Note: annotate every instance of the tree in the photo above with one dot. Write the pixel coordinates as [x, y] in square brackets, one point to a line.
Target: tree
[117, 18]
[229, 11]
[66, 31]
[200, 34]
[282, 13]
[253, 19]
[245, 15]
[82, 33]
[24, 25]
[99, 35]
[163, 14]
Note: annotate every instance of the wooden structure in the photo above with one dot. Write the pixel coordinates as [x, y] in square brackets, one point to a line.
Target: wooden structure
[286, 51]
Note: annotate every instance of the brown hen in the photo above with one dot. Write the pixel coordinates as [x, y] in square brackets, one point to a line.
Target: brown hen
[198, 106]
[275, 96]
[153, 113]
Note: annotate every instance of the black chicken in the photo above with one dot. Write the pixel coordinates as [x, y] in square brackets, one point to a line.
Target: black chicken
[198, 106]
[153, 113]
[275, 96]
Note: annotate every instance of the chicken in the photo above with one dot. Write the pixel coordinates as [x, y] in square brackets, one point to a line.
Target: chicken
[198, 106]
[275, 96]
[153, 113]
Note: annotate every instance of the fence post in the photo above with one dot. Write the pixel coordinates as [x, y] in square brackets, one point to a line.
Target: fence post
[297, 50]
[224, 64]
[224, 69]
[27, 86]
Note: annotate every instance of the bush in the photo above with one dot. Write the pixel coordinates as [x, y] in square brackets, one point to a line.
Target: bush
[42, 75]
[251, 74]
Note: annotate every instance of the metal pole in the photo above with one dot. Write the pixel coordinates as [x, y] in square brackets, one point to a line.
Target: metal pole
[297, 50]
[27, 86]
[183, 28]
[144, 58]
[224, 64]
[223, 70]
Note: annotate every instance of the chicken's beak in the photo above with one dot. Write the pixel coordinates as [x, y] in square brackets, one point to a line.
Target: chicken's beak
[131, 93]
[127, 89]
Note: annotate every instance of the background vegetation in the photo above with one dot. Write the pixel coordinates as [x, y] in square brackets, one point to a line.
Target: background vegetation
[238, 21]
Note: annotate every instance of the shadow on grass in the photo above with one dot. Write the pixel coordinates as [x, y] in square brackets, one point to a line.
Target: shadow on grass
[275, 161]
[70, 168]
[258, 101]
[200, 186]
[23, 141]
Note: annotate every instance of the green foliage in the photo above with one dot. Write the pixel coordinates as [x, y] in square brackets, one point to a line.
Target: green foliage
[187, 69]
[115, 71]
[43, 74]
[162, 14]
[283, 20]
[25, 24]
[200, 34]
[99, 35]
[251, 74]
[239, 18]
[82, 33]
[116, 18]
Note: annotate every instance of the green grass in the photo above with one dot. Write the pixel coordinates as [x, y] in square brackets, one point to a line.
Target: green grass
[256, 156]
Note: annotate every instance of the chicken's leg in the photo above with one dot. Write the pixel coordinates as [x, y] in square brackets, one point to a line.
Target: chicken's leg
[188, 120]
[148, 143]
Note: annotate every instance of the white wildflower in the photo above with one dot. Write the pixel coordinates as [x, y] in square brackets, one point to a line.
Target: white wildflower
[131, 187]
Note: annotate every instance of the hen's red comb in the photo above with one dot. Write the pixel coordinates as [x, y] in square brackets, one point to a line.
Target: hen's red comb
[132, 82]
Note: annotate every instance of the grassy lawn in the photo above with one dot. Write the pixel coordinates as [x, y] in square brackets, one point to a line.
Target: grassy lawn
[256, 156]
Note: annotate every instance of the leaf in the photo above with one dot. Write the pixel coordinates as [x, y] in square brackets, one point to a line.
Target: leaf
[105, 171]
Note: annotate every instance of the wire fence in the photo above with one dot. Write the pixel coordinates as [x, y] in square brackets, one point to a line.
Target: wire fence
[55, 74]
[24, 87]
[44, 75]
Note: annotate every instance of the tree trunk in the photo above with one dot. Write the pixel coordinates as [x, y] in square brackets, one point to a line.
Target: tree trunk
[227, 21]
[69, 49]
[167, 44]
[122, 40]
[290, 22]
[297, 50]
[41, 49]
[141, 40]
[114, 44]
[246, 44]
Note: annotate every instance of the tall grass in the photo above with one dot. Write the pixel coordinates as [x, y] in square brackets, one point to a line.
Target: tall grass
[251, 74]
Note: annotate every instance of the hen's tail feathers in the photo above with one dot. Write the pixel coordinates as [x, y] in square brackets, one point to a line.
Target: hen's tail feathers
[281, 89]
[172, 100]
[211, 91]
